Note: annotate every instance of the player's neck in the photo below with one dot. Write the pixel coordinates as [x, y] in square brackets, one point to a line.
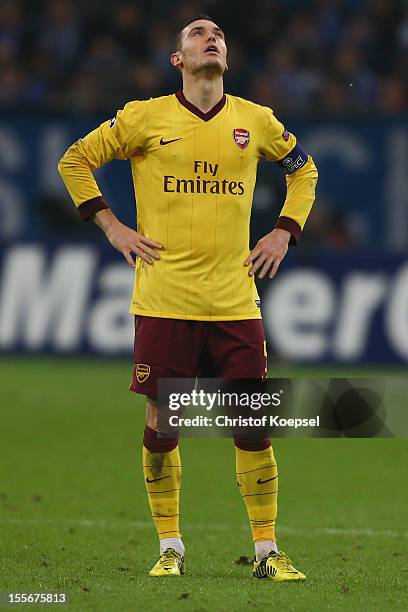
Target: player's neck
[203, 92]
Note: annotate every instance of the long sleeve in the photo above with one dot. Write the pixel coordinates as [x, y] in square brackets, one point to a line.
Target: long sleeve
[118, 138]
[281, 146]
[300, 195]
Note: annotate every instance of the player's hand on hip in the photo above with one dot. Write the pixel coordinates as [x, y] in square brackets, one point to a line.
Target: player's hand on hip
[268, 253]
[128, 242]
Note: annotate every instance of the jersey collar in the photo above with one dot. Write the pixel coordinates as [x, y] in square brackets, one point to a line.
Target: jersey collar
[196, 111]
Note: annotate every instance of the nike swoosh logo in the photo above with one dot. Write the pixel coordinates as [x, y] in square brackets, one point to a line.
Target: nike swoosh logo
[156, 479]
[164, 142]
[260, 481]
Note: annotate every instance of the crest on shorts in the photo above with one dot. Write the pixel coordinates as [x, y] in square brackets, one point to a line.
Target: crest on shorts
[142, 372]
[241, 137]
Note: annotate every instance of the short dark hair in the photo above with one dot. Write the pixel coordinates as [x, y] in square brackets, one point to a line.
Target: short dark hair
[177, 39]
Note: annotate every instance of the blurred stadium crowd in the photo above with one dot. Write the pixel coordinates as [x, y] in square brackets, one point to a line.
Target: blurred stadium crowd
[305, 57]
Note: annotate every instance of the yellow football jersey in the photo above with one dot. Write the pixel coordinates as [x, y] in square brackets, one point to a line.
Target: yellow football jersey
[194, 175]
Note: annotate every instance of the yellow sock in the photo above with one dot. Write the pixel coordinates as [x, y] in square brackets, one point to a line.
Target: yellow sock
[257, 476]
[162, 473]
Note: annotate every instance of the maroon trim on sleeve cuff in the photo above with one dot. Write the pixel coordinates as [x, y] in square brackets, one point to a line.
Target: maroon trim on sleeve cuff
[291, 226]
[90, 207]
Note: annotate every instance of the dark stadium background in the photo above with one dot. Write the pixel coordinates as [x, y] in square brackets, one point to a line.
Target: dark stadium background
[334, 72]
[73, 514]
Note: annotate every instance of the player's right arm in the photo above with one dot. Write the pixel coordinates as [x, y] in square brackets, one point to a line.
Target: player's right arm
[119, 138]
[125, 239]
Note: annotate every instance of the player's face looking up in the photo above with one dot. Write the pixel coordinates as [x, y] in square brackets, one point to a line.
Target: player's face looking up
[202, 48]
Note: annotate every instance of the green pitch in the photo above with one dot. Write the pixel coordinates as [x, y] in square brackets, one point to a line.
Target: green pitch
[74, 517]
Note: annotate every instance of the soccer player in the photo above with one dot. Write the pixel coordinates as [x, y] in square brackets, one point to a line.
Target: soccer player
[194, 156]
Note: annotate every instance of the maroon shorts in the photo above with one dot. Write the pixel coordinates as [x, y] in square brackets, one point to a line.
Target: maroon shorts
[173, 348]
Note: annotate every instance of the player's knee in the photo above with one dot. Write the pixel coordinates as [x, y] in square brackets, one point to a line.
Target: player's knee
[151, 413]
[252, 443]
[151, 440]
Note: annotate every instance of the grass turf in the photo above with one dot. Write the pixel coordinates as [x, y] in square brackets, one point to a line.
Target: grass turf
[74, 516]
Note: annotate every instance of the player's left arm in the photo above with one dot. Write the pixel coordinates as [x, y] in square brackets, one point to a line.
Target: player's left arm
[281, 146]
